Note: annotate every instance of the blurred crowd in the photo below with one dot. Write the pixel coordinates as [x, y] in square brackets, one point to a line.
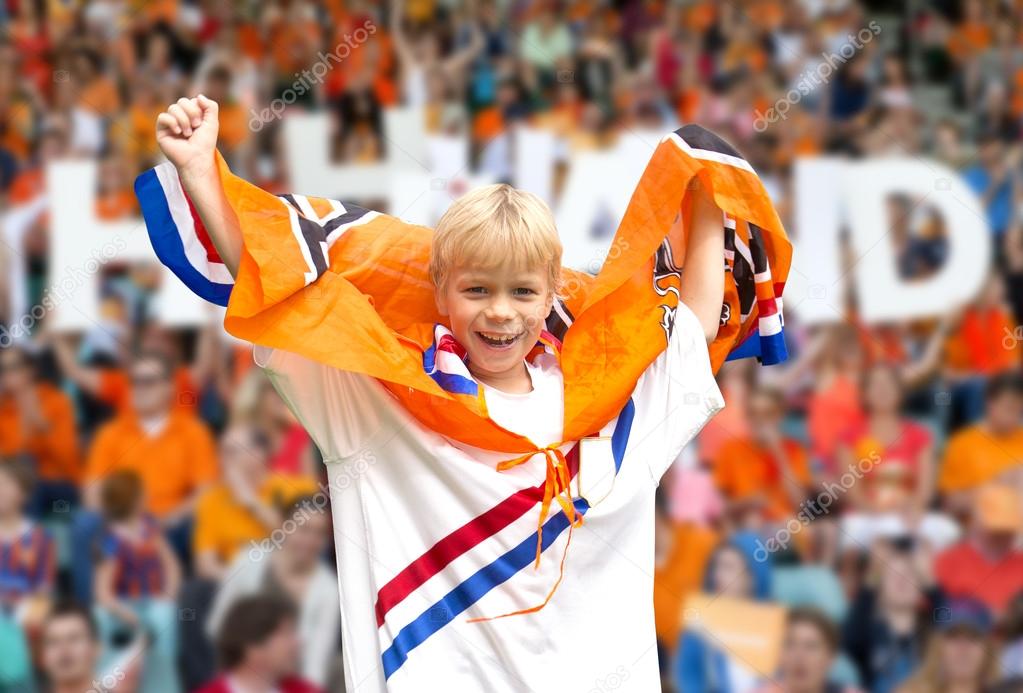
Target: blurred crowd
[163, 519]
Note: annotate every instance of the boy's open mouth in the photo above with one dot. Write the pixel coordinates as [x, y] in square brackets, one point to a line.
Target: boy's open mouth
[498, 340]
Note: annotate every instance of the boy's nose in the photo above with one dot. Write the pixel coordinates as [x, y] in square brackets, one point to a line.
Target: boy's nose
[500, 309]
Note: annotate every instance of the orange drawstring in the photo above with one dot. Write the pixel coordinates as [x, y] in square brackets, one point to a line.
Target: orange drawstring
[556, 486]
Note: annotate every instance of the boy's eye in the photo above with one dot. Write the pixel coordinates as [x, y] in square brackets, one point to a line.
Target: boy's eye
[476, 290]
[523, 291]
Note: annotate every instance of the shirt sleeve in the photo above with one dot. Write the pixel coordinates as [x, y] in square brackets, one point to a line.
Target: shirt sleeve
[60, 446]
[340, 410]
[676, 396]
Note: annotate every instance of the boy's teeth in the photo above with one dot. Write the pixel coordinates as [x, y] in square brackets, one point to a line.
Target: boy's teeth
[499, 338]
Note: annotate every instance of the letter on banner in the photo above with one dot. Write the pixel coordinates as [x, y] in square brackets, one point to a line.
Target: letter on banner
[594, 197]
[882, 294]
[814, 289]
[81, 244]
[830, 190]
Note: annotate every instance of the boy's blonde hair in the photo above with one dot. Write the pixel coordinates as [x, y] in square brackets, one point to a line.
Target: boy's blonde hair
[493, 225]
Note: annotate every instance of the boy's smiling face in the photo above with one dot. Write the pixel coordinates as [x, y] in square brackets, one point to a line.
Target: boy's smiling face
[497, 315]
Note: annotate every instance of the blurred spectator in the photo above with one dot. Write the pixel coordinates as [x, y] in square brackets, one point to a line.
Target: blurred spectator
[891, 460]
[959, 654]
[983, 344]
[920, 245]
[112, 384]
[137, 583]
[234, 135]
[28, 554]
[732, 571]
[767, 468]
[987, 565]
[37, 426]
[70, 649]
[546, 42]
[889, 620]
[258, 648]
[115, 200]
[257, 405]
[291, 564]
[834, 405]
[684, 544]
[995, 179]
[245, 506]
[807, 655]
[170, 450]
[989, 450]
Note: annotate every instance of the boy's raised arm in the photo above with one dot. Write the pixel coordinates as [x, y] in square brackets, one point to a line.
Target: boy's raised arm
[187, 135]
[703, 282]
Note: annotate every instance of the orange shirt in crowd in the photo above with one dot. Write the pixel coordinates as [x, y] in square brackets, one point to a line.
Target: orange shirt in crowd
[680, 575]
[963, 571]
[830, 412]
[224, 526]
[173, 464]
[487, 124]
[985, 342]
[56, 449]
[975, 456]
[115, 389]
[743, 469]
[969, 39]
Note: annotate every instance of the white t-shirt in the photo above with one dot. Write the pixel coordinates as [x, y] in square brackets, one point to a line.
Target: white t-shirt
[429, 534]
[537, 414]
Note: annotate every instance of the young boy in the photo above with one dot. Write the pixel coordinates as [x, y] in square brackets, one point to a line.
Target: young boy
[28, 554]
[421, 362]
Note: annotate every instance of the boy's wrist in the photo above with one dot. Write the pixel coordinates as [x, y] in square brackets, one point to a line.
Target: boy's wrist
[198, 170]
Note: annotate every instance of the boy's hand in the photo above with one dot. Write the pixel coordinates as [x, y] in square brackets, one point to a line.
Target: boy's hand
[187, 133]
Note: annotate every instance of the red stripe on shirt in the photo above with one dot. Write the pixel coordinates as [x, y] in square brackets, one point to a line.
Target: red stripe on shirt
[469, 535]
